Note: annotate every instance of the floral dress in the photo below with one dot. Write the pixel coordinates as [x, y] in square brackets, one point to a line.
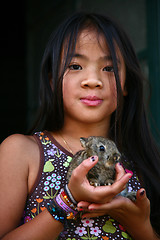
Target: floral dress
[54, 162]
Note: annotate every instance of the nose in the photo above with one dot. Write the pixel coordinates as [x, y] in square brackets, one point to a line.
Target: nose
[92, 81]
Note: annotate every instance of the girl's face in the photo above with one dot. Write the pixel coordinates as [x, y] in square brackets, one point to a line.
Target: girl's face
[89, 86]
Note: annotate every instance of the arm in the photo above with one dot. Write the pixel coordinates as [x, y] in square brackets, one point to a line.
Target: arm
[16, 155]
[41, 227]
[17, 159]
[133, 216]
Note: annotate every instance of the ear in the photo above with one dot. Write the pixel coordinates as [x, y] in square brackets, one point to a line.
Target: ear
[83, 141]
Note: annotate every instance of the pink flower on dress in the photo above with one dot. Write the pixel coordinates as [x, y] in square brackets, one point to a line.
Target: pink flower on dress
[81, 231]
[122, 228]
[87, 222]
[27, 219]
[95, 231]
[128, 171]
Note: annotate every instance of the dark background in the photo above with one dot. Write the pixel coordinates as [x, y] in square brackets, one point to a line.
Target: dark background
[13, 94]
[25, 28]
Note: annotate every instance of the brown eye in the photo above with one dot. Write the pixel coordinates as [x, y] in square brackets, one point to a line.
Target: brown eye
[108, 69]
[75, 67]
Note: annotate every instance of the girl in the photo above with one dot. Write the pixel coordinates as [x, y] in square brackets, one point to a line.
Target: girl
[91, 85]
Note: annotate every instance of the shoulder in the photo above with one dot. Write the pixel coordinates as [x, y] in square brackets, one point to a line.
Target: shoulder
[20, 157]
[19, 154]
[18, 149]
[17, 144]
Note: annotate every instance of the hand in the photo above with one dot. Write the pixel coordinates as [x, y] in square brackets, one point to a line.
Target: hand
[133, 216]
[83, 191]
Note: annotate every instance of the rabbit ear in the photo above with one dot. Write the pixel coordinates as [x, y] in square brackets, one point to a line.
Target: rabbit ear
[83, 141]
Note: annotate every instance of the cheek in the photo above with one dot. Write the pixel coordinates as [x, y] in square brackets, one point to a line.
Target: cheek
[64, 92]
[65, 86]
[113, 89]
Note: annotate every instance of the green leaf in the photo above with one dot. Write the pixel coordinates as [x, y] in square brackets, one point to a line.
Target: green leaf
[46, 197]
[125, 235]
[108, 227]
[111, 220]
[48, 167]
[66, 164]
[69, 159]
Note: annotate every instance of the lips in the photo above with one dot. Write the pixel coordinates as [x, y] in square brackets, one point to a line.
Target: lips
[91, 100]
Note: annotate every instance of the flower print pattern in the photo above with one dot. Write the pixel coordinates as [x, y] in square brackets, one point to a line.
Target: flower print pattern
[81, 231]
[67, 162]
[70, 239]
[51, 178]
[88, 231]
[48, 167]
[36, 210]
[87, 222]
[52, 182]
[95, 231]
[39, 200]
[42, 208]
[44, 139]
[51, 152]
[27, 219]
[33, 212]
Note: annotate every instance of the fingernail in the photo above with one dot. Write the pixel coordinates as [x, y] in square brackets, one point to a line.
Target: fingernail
[142, 193]
[120, 165]
[130, 175]
[80, 209]
[93, 158]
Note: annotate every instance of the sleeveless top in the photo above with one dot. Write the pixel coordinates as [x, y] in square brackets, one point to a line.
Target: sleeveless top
[54, 162]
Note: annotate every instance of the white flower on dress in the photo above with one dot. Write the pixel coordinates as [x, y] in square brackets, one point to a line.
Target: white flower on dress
[95, 231]
[130, 189]
[80, 231]
[87, 222]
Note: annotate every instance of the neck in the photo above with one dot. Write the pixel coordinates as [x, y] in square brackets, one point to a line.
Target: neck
[84, 131]
[78, 129]
[71, 133]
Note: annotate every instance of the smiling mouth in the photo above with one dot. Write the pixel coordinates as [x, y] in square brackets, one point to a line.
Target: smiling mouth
[91, 101]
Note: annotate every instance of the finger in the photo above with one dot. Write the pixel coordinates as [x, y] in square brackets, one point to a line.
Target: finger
[92, 215]
[83, 204]
[122, 181]
[117, 202]
[85, 166]
[142, 201]
[119, 171]
[113, 189]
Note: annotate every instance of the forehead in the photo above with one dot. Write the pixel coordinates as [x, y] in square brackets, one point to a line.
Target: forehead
[91, 38]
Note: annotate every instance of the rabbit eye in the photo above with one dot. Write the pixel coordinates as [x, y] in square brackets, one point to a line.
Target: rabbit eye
[102, 148]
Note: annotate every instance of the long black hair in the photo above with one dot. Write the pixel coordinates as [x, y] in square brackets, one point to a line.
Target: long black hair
[129, 126]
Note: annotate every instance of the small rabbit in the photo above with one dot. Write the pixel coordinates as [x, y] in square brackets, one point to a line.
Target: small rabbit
[103, 173]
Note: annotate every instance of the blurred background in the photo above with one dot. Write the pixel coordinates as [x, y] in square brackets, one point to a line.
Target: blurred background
[25, 28]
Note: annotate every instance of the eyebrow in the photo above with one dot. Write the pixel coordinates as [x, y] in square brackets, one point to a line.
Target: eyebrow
[106, 57]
